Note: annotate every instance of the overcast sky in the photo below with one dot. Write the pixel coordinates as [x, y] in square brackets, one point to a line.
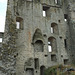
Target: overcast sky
[3, 6]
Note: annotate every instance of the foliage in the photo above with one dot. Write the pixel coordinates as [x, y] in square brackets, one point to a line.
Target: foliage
[59, 70]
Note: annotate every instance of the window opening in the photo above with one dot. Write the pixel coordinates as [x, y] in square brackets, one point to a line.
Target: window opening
[65, 17]
[45, 8]
[66, 61]
[53, 58]
[19, 23]
[56, 1]
[36, 63]
[65, 43]
[0, 39]
[42, 70]
[52, 47]
[54, 28]
[44, 13]
[49, 47]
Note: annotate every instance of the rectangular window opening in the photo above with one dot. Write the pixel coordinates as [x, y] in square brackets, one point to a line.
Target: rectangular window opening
[66, 61]
[0, 40]
[45, 8]
[19, 23]
[65, 43]
[53, 57]
[36, 63]
[65, 17]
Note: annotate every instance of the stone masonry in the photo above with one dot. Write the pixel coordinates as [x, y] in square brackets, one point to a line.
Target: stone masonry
[38, 34]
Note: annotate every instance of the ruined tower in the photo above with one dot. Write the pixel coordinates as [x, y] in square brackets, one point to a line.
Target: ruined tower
[38, 34]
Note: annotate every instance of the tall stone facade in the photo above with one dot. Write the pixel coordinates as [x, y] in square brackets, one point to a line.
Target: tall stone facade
[38, 34]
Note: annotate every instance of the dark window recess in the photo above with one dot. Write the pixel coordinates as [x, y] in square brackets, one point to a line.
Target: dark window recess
[36, 60]
[53, 58]
[42, 70]
[66, 61]
[65, 43]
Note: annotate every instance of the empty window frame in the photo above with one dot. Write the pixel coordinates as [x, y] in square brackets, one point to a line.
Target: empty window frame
[36, 62]
[19, 23]
[52, 46]
[54, 28]
[0, 39]
[65, 17]
[53, 57]
[45, 10]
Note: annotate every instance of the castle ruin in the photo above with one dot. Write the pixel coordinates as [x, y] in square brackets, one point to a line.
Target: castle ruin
[38, 34]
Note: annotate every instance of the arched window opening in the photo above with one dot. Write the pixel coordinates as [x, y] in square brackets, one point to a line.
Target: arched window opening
[54, 28]
[19, 23]
[38, 46]
[42, 69]
[52, 47]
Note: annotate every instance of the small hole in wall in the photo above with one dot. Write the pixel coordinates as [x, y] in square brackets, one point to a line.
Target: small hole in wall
[61, 55]
[36, 71]
[46, 55]
[14, 56]
[44, 35]
[59, 21]
[17, 54]
[60, 37]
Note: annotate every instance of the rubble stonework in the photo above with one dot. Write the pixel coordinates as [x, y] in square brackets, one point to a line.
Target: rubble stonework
[29, 35]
